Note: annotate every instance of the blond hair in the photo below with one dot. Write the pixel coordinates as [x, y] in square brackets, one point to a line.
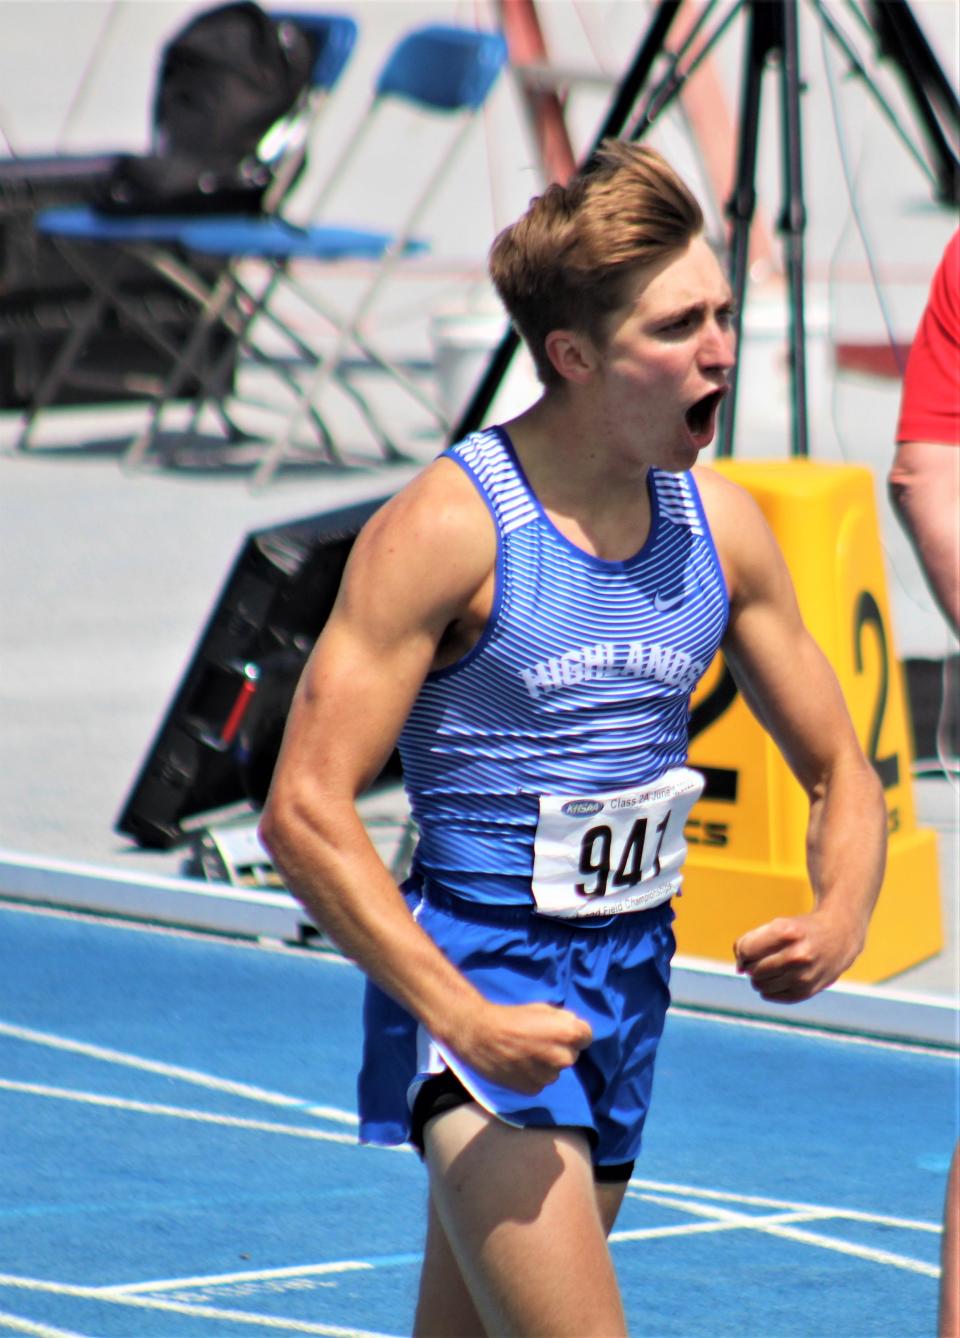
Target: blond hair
[566, 262]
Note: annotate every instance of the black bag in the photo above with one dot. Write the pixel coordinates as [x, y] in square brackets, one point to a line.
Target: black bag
[224, 80]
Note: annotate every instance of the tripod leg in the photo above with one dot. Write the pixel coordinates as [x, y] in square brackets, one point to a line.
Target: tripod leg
[793, 223]
[743, 201]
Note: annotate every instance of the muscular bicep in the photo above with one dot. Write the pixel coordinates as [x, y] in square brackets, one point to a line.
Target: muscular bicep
[411, 572]
[350, 705]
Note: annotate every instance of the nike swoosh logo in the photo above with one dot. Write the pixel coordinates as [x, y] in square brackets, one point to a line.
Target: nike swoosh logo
[663, 605]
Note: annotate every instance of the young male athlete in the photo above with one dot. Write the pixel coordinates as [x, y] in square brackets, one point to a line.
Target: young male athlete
[529, 618]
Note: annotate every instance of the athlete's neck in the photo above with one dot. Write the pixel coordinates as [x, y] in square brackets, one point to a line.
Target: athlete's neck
[600, 504]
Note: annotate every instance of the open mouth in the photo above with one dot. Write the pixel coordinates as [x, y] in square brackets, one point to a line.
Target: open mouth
[701, 417]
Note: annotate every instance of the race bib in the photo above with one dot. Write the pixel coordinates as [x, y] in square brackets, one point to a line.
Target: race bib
[603, 854]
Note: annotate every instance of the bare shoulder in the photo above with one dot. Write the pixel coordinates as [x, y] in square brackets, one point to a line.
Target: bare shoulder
[439, 506]
[429, 546]
[726, 503]
[745, 544]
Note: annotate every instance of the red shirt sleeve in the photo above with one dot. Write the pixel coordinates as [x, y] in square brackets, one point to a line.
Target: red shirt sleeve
[930, 402]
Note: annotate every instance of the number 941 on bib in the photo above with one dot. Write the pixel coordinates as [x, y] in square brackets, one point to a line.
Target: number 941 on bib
[623, 850]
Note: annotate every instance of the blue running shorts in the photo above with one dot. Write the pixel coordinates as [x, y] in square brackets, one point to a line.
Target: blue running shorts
[614, 975]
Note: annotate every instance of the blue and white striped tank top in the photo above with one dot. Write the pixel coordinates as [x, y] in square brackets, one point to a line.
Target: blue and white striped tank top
[580, 682]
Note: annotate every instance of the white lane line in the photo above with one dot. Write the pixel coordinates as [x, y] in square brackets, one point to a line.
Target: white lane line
[197, 1311]
[177, 1112]
[745, 1222]
[756, 1201]
[718, 1222]
[252, 1275]
[246, 1090]
[17, 1324]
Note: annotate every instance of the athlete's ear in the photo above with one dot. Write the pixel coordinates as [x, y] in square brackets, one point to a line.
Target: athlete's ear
[571, 354]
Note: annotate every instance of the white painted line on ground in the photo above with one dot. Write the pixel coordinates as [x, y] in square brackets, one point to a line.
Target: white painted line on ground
[17, 1324]
[176, 1112]
[719, 1222]
[252, 1275]
[199, 1079]
[198, 1311]
[856, 1251]
[759, 1201]
[771, 1226]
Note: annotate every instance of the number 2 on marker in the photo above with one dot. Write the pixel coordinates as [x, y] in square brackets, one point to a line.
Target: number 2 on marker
[596, 857]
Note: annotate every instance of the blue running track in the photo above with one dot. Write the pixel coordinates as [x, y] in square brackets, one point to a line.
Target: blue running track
[178, 1158]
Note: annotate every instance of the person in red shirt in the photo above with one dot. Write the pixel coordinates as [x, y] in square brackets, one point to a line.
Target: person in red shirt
[925, 477]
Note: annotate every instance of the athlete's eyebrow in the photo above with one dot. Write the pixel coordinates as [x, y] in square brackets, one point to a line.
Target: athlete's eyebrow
[696, 308]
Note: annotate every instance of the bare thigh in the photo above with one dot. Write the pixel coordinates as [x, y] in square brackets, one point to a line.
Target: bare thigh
[444, 1303]
[519, 1212]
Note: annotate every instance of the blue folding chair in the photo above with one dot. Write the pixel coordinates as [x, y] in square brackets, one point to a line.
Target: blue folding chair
[443, 70]
[88, 238]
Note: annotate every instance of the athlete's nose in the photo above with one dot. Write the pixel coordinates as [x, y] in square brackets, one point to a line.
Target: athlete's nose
[719, 347]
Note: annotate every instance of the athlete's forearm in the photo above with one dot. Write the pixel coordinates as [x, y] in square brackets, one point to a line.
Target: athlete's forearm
[331, 866]
[846, 845]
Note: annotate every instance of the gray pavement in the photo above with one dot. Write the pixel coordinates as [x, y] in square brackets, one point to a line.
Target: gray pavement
[106, 581]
